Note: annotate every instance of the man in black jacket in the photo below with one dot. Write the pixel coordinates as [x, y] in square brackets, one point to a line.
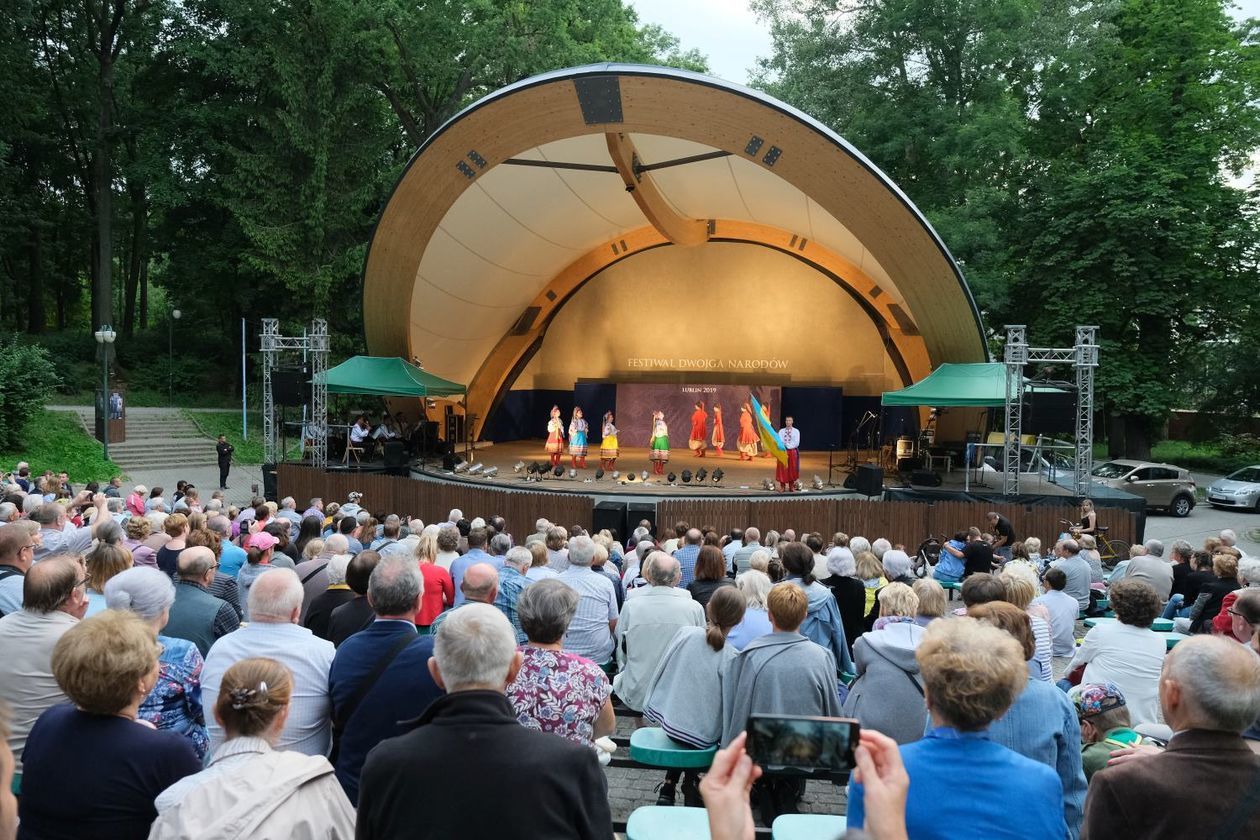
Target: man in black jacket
[432, 782]
[224, 451]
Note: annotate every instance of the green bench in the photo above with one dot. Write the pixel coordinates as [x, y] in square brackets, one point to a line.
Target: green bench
[950, 587]
[657, 822]
[650, 745]
[808, 827]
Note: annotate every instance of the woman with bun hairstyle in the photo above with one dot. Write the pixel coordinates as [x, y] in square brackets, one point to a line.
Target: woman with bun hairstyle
[248, 789]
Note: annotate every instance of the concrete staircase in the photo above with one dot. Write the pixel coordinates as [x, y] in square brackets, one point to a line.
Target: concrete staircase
[158, 438]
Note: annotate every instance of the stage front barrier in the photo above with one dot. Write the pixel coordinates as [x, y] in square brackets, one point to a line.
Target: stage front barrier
[906, 522]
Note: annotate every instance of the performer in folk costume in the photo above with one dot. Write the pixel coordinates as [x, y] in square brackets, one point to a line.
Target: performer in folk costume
[608, 449]
[578, 428]
[555, 436]
[747, 442]
[765, 412]
[719, 434]
[659, 443]
[787, 476]
[699, 430]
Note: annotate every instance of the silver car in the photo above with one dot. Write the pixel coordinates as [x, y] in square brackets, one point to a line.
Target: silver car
[1239, 489]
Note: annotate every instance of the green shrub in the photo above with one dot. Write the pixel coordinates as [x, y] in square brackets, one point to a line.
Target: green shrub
[27, 380]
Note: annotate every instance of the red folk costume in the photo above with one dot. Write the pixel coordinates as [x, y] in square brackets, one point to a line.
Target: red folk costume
[555, 436]
[787, 475]
[747, 435]
[719, 434]
[699, 430]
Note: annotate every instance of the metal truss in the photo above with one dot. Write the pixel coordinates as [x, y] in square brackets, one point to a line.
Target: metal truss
[316, 344]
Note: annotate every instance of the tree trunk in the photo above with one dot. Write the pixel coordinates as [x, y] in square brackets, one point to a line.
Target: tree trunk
[35, 281]
[1115, 436]
[139, 224]
[144, 295]
[1137, 436]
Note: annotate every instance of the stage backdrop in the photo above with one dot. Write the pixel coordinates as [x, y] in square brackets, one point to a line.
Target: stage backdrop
[637, 401]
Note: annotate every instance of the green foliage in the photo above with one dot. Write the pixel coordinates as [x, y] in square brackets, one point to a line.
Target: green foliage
[56, 440]
[228, 423]
[27, 380]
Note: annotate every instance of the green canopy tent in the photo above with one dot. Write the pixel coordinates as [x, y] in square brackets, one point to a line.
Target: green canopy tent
[387, 376]
[979, 385]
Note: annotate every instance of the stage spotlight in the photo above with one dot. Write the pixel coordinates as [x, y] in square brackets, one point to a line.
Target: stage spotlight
[490, 473]
[701, 474]
[615, 475]
[671, 478]
[572, 473]
[643, 475]
[717, 475]
[558, 471]
[462, 466]
[518, 466]
[767, 484]
[539, 469]
[599, 473]
[818, 483]
[686, 476]
[630, 476]
[476, 469]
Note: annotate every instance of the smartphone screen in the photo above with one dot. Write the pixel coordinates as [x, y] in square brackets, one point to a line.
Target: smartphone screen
[806, 742]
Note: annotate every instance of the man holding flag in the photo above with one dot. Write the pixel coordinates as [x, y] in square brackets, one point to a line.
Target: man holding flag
[783, 446]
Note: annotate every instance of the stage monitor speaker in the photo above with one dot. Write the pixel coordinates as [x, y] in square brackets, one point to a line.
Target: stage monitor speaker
[448, 460]
[850, 481]
[610, 515]
[290, 386]
[639, 511]
[925, 478]
[395, 455]
[870, 480]
[1050, 413]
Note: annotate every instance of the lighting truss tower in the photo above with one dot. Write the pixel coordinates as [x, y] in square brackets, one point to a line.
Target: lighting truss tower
[315, 342]
[1083, 356]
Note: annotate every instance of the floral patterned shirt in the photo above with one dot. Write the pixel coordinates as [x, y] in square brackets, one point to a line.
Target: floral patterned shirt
[175, 701]
[559, 692]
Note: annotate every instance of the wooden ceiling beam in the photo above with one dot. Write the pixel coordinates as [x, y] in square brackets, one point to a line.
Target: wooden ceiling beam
[675, 227]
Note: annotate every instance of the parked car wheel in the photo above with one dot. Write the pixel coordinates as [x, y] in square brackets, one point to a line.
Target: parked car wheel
[1181, 506]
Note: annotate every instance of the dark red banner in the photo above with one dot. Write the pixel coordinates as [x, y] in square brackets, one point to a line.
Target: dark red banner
[637, 401]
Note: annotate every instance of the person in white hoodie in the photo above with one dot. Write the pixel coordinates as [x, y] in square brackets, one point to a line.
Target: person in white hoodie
[888, 693]
[249, 790]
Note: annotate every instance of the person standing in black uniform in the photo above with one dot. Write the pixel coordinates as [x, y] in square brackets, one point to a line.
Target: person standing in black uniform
[224, 450]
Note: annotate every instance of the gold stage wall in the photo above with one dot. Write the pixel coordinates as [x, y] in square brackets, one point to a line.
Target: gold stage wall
[719, 312]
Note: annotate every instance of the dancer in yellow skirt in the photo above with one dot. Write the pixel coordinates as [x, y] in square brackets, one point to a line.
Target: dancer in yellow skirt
[555, 436]
[608, 448]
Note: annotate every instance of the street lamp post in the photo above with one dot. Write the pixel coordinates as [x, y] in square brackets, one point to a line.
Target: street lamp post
[170, 355]
[105, 338]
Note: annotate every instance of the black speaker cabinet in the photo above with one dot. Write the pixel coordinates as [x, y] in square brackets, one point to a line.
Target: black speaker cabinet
[639, 511]
[290, 386]
[610, 515]
[395, 454]
[1050, 413]
[270, 489]
[925, 478]
[870, 480]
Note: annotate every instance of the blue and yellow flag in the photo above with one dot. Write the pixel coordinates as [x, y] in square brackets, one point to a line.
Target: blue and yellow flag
[769, 437]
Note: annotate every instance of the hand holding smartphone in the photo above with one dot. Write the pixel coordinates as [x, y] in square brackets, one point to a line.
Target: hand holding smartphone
[808, 743]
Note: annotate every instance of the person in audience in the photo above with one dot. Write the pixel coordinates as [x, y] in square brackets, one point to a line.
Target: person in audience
[1248, 578]
[251, 790]
[175, 701]
[311, 528]
[137, 530]
[275, 602]
[932, 601]
[479, 584]
[684, 693]
[557, 550]
[1089, 553]
[442, 760]
[1041, 724]
[539, 569]
[687, 554]
[888, 692]
[102, 563]
[57, 536]
[1207, 605]
[1204, 783]
[755, 586]
[871, 572]
[1244, 615]
[196, 615]
[356, 614]
[9, 783]
[1152, 568]
[368, 704]
[88, 770]
[1020, 592]
[222, 586]
[1127, 652]
[600, 564]
[1104, 720]
[1182, 553]
[260, 554]
[177, 529]
[590, 632]
[554, 691]
[782, 673]
[1186, 589]
[319, 611]
[822, 623]
[476, 553]
[741, 557]
[513, 582]
[848, 590]
[53, 601]
[1077, 571]
[1063, 609]
[648, 624]
[972, 673]
[708, 576]
[17, 548]
[314, 572]
[439, 588]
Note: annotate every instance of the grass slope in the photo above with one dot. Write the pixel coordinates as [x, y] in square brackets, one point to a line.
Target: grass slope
[215, 423]
[56, 440]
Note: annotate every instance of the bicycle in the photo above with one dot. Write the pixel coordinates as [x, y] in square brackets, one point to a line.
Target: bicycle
[1115, 551]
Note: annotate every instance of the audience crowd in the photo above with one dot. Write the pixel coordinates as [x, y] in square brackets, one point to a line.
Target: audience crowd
[187, 668]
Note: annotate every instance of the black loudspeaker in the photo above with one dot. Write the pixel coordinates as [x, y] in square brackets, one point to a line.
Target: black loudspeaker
[1050, 413]
[610, 515]
[850, 482]
[270, 489]
[455, 429]
[395, 455]
[290, 386]
[870, 480]
[925, 478]
[638, 511]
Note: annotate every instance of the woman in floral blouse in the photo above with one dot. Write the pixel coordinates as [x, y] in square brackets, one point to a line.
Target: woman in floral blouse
[557, 691]
[175, 701]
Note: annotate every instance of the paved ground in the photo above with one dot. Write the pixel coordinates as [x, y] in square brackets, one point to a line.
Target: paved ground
[205, 478]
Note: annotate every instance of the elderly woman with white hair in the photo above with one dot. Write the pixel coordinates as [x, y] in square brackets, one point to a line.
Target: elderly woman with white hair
[175, 701]
[848, 590]
[319, 614]
[897, 566]
[755, 585]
